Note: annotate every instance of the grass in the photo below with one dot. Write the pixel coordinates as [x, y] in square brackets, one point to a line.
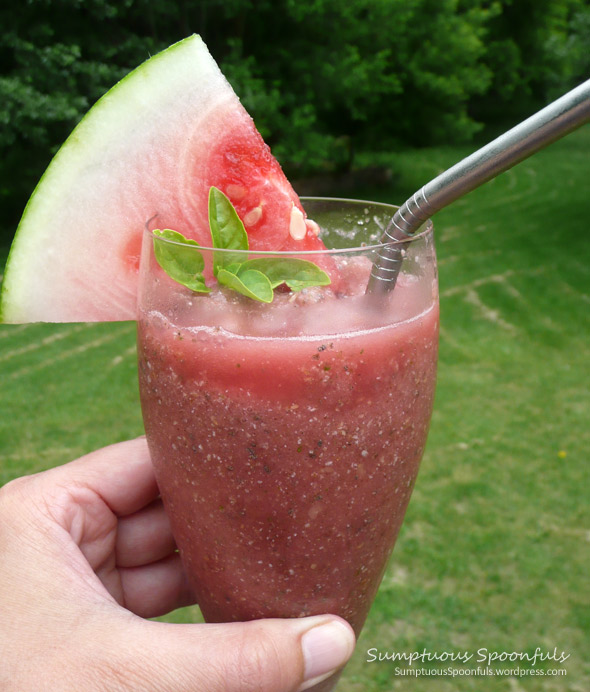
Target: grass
[495, 550]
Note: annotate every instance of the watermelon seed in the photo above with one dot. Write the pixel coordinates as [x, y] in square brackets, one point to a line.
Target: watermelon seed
[253, 216]
[236, 192]
[297, 227]
[312, 227]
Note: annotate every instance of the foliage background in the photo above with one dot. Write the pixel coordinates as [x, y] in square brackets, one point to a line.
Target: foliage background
[323, 79]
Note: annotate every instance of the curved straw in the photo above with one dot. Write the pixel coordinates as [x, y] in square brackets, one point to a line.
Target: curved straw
[552, 122]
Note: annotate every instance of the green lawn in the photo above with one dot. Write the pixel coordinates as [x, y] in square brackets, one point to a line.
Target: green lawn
[495, 551]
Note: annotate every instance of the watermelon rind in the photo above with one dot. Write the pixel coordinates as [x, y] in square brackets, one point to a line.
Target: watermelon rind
[70, 258]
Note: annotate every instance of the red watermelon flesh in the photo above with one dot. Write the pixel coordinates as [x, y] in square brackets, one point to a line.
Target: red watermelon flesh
[242, 166]
[154, 144]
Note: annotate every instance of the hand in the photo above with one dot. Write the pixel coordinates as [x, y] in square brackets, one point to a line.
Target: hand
[86, 554]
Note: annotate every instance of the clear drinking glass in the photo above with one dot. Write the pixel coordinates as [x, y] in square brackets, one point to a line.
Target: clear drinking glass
[286, 437]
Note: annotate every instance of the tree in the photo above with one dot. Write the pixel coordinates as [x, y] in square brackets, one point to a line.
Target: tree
[364, 73]
[322, 78]
[569, 52]
[56, 61]
[528, 50]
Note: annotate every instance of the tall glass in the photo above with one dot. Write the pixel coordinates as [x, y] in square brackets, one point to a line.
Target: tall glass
[286, 437]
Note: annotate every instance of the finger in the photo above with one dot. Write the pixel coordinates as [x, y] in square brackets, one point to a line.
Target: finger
[144, 537]
[263, 655]
[157, 588]
[121, 474]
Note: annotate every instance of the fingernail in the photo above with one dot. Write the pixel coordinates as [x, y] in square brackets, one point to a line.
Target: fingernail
[325, 648]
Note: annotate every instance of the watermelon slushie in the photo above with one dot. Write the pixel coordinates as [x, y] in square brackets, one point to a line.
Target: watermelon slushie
[287, 437]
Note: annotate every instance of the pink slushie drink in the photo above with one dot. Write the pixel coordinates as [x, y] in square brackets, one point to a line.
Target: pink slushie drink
[287, 437]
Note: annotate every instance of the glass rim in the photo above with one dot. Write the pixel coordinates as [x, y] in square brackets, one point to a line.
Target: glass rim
[426, 229]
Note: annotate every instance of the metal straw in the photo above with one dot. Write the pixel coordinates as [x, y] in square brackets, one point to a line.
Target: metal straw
[549, 124]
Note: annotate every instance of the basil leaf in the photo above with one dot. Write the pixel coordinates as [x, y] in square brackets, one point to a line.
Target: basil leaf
[255, 278]
[251, 283]
[180, 260]
[227, 229]
[296, 273]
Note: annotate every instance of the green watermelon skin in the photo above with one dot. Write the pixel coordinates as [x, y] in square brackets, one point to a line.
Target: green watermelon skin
[154, 144]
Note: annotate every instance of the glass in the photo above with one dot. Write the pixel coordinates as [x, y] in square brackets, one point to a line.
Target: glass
[286, 437]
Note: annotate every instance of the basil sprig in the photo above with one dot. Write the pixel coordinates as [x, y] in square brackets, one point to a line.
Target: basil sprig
[255, 278]
[180, 260]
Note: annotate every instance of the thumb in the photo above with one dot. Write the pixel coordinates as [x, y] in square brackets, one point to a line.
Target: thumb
[262, 655]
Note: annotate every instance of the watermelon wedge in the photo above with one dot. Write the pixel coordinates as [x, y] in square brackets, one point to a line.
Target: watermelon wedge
[154, 144]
